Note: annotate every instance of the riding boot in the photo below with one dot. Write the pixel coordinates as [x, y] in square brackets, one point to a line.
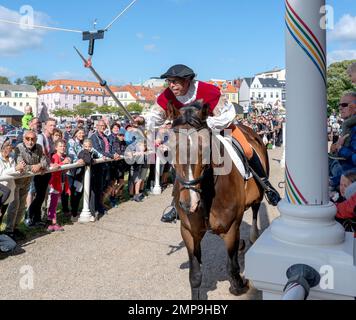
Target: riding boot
[272, 194]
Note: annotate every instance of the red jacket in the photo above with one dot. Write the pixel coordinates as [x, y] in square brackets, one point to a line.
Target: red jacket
[207, 92]
[56, 178]
[345, 209]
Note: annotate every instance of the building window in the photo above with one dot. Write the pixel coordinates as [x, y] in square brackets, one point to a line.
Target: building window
[20, 95]
[265, 95]
[27, 104]
[96, 98]
[14, 104]
[253, 94]
[16, 95]
[271, 94]
[277, 95]
[20, 104]
[74, 97]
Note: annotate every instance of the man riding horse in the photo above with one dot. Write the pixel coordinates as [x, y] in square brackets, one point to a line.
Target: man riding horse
[182, 90]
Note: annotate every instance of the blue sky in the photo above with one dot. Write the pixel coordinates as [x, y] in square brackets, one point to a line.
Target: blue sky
[219, 39]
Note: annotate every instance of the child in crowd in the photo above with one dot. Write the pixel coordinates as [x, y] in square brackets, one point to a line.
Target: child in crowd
[88, 155]
[346, 205]
[58, 184]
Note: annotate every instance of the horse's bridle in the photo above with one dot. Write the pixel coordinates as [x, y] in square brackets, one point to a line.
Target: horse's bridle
[190, 184]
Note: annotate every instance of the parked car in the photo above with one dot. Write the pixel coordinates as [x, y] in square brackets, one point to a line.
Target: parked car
[5, 128]
[13, 134]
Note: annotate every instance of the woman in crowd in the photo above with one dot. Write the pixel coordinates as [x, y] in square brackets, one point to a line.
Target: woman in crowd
[75, 176]
[8, 166]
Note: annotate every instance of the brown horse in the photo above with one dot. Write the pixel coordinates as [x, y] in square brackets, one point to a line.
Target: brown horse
[209, 194]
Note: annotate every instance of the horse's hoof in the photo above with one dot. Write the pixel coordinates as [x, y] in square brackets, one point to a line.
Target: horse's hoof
[239, 290]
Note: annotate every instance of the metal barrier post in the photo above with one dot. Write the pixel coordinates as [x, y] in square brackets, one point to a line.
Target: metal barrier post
[86, 214]
[157, 188]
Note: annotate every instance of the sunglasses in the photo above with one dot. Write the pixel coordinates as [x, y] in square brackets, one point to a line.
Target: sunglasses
[30, 139]
[345, 104]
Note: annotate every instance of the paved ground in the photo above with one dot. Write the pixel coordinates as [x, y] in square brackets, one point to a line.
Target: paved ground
[129, 254]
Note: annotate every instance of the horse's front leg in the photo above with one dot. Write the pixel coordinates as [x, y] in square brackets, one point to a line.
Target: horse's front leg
[194, 252]
[232, 241]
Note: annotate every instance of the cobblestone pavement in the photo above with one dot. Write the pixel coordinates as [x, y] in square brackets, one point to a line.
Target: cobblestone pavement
[128, 254]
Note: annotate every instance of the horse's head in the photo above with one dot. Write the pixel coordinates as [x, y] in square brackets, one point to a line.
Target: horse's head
[192, 153]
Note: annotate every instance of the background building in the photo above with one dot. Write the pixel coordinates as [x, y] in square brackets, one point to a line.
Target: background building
[70, 93]
[19, 97]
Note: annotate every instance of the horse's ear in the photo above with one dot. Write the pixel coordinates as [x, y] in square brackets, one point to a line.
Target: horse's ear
[172, 111]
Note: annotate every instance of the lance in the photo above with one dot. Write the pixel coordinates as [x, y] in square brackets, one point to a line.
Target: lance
[104, 84]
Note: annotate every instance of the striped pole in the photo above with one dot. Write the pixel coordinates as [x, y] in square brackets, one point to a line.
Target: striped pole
[306, 170]
[306, 231]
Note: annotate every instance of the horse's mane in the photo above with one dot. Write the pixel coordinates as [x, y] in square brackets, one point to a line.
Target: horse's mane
[189, 116]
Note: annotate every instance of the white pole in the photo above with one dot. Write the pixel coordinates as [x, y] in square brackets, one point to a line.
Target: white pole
[86, 214]
[283, 160]
[306, 232]
[157, 188]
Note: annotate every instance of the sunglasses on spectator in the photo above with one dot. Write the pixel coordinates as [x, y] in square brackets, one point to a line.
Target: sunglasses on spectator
[30, 139]
[345, 104]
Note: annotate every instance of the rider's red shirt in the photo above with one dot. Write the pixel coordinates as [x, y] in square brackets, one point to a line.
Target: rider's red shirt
[209, 93]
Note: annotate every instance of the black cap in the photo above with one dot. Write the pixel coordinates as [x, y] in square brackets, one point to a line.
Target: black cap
[179, 71]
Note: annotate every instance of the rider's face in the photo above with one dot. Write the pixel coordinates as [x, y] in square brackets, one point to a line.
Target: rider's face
[178, 86]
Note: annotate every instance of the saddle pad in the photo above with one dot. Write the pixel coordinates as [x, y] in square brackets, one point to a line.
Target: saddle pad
[227, 143]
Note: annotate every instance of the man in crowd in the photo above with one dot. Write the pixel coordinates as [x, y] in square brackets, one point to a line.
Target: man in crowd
[68, 131]
[337, 163]
[352, 72]
[41, 181]
[31, 155]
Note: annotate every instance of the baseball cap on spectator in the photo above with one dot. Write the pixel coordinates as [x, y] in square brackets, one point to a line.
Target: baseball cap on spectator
[122, 131]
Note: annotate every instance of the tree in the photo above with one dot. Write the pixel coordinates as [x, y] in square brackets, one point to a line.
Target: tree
[19, 81]
[4, 80]
[134, 107]
[34, 81]
[61, 112]
[339, 82]
[85, 109]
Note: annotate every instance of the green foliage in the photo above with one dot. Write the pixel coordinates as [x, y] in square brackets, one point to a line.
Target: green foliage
[4, 80]
[134, 107]
[61, 112]
[34, 81]
[19, 81]
[105, 109]
[339, 82]
[85, 109]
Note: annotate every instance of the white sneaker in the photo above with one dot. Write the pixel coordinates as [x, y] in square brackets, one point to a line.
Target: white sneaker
[92, 219]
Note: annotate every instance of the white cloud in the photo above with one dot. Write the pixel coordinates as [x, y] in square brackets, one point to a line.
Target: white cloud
[345, 29]
[140, 35]
[65, 75]
[156, 37]
[150, 48]
[4, 72]
[14, 39]
[340, 55]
